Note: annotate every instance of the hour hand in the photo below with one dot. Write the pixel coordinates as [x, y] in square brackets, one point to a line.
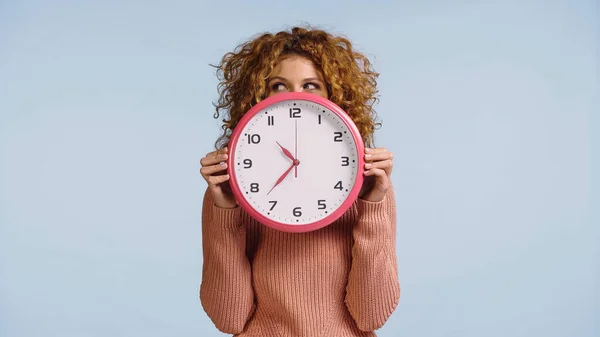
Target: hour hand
[286, 152]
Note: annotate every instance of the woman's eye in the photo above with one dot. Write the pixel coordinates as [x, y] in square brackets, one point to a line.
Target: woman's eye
[278, 86]
[311, 86]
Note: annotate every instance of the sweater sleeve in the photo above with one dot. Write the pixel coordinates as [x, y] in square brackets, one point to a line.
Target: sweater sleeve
[373, 289]
[226, 291]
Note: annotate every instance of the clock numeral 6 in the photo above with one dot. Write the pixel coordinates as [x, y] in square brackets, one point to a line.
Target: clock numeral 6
[295, 112]
[253, 139]
[274, 202]
[338, 186]
[247, 163]
[321, 204]
[254, 187]
[337, 136]
[297, 211]
[345, 161]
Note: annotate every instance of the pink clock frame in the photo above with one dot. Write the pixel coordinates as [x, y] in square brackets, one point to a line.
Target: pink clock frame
[235, 136]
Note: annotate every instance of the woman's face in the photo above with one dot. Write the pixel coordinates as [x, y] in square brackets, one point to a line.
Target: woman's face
[296, 74]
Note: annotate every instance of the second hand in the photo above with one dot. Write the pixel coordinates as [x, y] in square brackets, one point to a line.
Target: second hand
[296, 149]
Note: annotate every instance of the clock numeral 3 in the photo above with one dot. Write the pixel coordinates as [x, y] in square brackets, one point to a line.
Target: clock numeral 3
[337, 136]
[321, 204]
[247, 163]
[254, 187]
[253, 139]
[297, 211]
[295, 112]
[274, 202]
[345, 161]
[338, 186]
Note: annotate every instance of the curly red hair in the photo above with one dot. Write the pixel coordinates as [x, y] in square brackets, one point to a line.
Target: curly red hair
[350, 79]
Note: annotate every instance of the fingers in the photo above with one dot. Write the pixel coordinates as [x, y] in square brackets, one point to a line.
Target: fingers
[380, 154]
[379, 158]
[385, 165]
[214, 166]
[376, 172]
[216, 180]
[212, 169]
[214, 157]
[382, 179]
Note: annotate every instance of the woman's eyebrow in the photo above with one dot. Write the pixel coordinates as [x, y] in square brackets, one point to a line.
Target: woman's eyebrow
[277, 78]
[308, 79]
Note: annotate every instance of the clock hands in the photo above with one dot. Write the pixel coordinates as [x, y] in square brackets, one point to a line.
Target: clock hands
[295, 163]
[282, 177]
[286, 152]
[296, 152]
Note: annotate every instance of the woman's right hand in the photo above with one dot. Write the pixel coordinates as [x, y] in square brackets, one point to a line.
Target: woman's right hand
[214, 171]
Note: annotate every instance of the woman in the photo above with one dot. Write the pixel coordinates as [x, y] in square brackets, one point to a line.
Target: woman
[341, 280]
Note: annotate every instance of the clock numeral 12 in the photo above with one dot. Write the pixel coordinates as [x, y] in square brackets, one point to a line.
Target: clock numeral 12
[295, 112]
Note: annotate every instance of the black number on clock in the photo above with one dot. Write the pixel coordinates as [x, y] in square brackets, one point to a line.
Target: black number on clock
[274, 202]
[297, 211]
[338, 186]
[319, 119]
[254, 187]
[270, 120]
[295, 112]
[345, 161]
[321, 204]
[253, 139]
[337, 137]
[247, 163]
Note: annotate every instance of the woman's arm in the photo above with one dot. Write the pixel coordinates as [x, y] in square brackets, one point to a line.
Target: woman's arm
[226, 290]
[373, 289]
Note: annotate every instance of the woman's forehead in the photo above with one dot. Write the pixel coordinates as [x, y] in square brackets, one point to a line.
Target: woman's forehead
[296, 66]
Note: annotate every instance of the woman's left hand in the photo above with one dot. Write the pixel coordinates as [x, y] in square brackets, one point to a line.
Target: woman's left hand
[378, 171]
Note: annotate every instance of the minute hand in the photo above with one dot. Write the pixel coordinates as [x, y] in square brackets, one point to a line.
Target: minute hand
[282, 177]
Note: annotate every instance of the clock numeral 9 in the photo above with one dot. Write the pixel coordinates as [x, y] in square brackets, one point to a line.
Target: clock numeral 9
[321, 204]
[345, 161]
[247, 163]
[253, 139]
[295, 112]
[338, 186]
[337, 137]
[297, 211]
[254, 187]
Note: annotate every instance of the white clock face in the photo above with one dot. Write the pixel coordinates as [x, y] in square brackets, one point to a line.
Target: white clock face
[315, 185]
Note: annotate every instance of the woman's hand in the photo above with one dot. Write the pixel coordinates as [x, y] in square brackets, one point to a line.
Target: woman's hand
[378, 170]
[213, 170]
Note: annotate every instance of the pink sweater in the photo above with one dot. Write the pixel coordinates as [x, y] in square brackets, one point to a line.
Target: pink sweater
[341, 280]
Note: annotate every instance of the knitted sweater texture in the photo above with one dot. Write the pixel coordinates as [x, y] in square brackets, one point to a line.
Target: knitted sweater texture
[338, 281]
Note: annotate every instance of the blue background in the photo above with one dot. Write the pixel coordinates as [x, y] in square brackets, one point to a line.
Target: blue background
[491, 109]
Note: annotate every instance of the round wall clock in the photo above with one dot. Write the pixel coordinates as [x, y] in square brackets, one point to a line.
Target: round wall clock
[296, 162]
